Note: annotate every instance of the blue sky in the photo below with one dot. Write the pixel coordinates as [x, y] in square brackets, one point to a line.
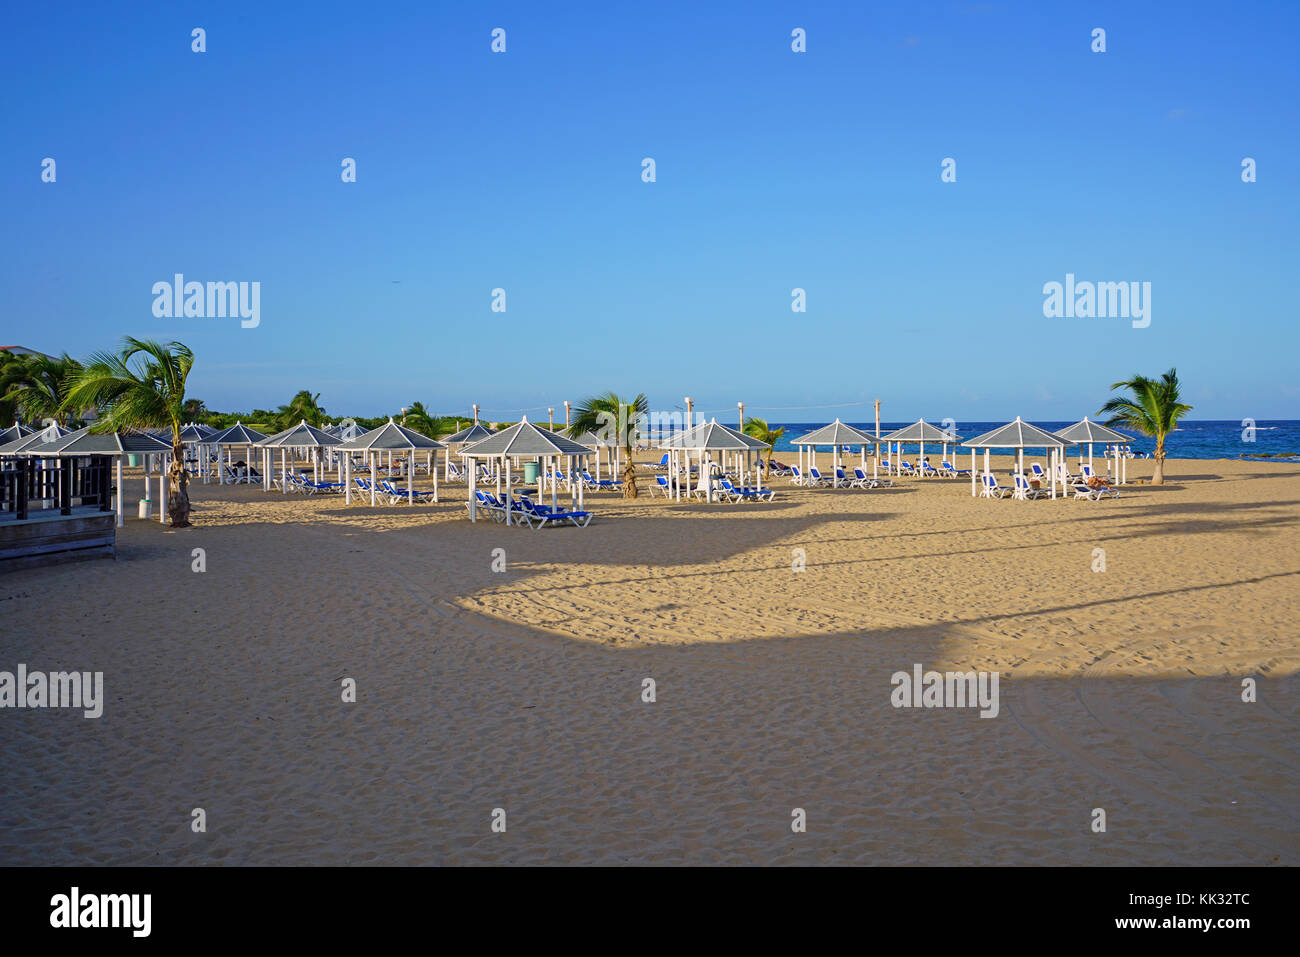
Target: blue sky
[775, 170]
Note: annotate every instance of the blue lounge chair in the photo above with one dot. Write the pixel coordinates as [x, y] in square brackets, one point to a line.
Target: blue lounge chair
[992, 489]
[740, 494]
[397, 495]
[599, 484]
[540, 515]
[1024, 491]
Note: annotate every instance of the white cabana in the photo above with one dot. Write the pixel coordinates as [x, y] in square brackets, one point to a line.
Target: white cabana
[459, 441]
[227, 439]
[1086, 432]
[114, 444]
[734, 451]
[918, 433]
[837, 435]
[1018, 435]
[297, 438]
[525, 441]
[385, 440]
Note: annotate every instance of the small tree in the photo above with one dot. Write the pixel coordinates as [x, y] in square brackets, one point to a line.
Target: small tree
[1152, 408]
[759, 429]
[141, 387]
[612, 417]
[38, 387]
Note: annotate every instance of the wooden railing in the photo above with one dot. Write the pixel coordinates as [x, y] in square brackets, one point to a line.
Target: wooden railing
[31, 486]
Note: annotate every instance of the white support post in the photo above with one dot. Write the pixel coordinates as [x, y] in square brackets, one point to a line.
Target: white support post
[508, 486]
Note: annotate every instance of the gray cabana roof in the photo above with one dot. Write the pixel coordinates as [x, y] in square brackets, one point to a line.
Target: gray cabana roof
[85, 442]
[237, 434]
[1087, 431]
[474, 433]
[1016, 435]
[15, 431]
[921, 431]
[390, 437]
[300, 436]
[192, 433]
[524, 438]
[711, 436]
[19, 445]
[837, 433]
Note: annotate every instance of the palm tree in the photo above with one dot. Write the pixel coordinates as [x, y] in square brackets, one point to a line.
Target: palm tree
[39, 387]
[611, 417]
[1152, 409]
[12, 374]
[417, 417]
[758, 429]
[303, 407]
[141, 387]
[195, 409]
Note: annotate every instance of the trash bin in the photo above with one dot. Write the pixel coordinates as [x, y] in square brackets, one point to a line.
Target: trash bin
[530, 473]
[133, 461]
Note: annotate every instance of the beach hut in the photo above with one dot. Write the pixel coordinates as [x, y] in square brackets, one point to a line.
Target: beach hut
[703, 441]
[389, 438]
[233, 437]
[83, 442]
[523, 440]
[465, 437]
[15, 446]
[595, 442]
[192, 436]
[918, 433]
[837, 435]
[15, 431]
[1087, 432]
[300, 437]
[1018, 435]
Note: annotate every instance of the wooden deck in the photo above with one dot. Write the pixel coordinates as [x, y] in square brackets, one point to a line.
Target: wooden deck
[51, 538]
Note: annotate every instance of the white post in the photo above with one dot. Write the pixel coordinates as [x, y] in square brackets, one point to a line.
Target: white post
[374, 476]
[284, 474]
[508, 484]
[974, 470]
[473, 498]
[121, 515]
[346, 466]
[433, 471]
[162, 494]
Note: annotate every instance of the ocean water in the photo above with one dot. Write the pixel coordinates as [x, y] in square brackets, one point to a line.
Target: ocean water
[1193, 440]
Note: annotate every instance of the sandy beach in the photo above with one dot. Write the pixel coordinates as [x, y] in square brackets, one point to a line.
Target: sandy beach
[522, 689]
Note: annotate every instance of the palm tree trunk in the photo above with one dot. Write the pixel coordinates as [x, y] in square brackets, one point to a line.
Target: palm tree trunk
[178, 495]
[629, 474]
[1158, 476]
